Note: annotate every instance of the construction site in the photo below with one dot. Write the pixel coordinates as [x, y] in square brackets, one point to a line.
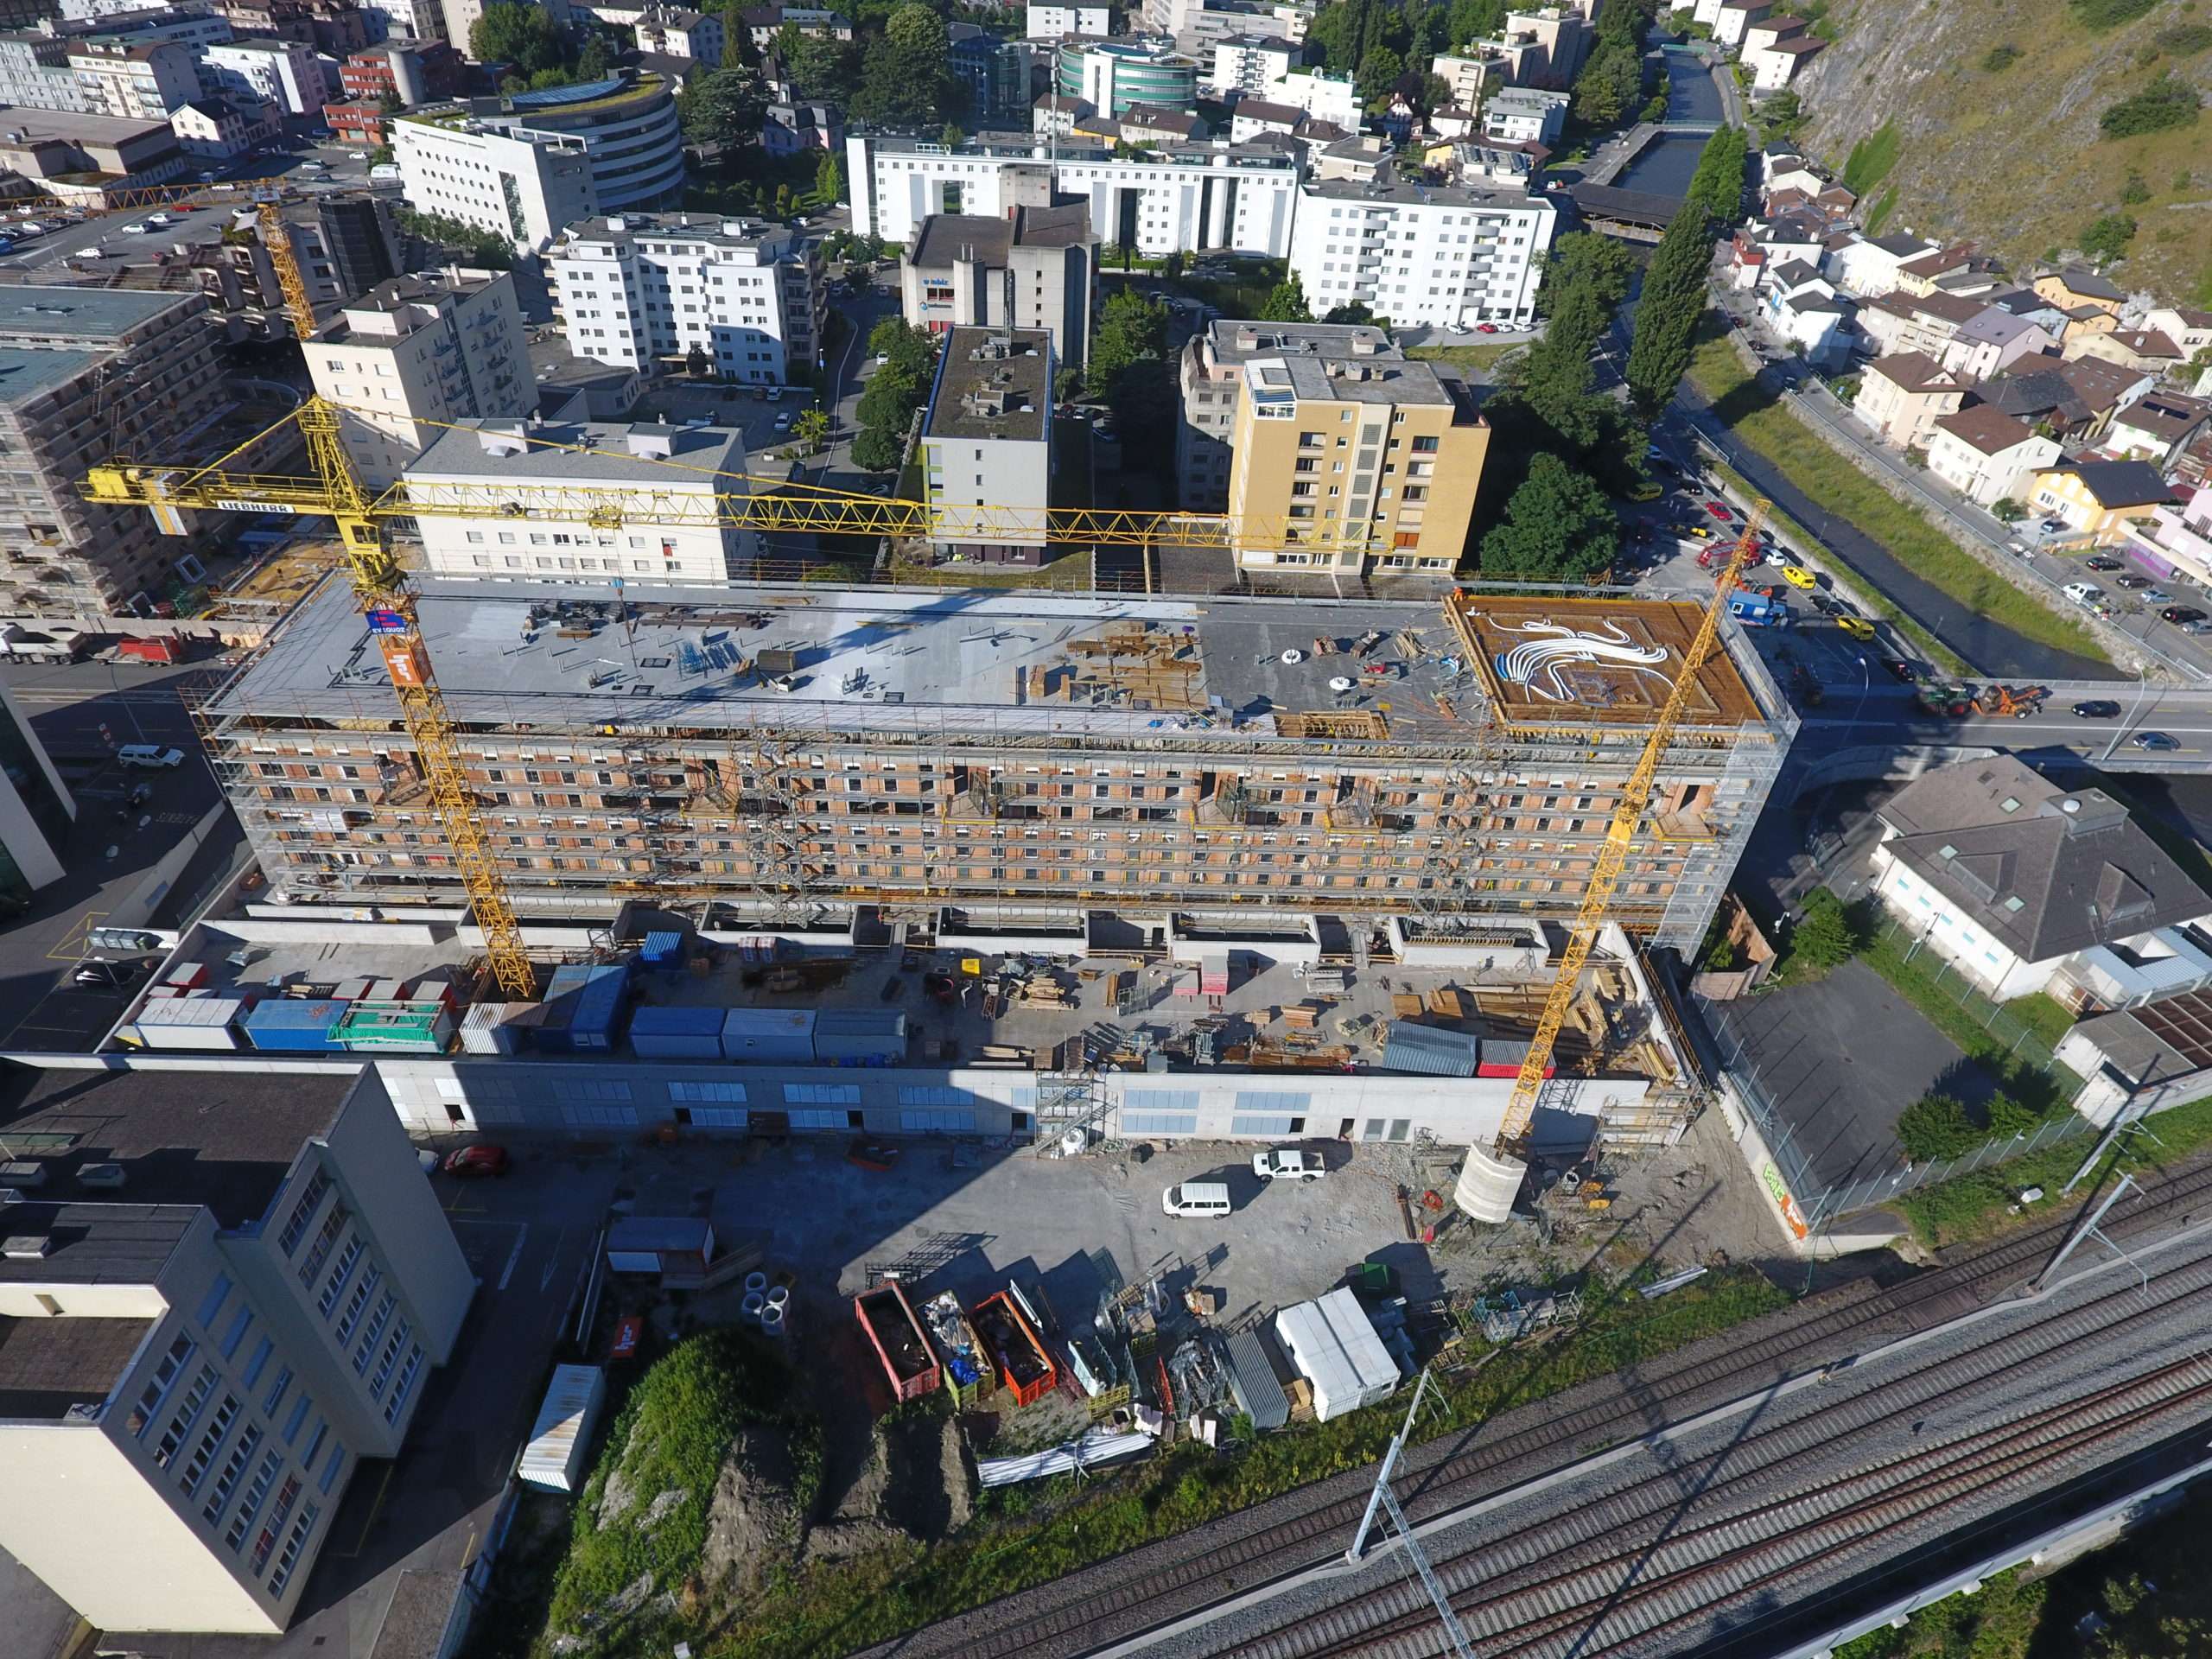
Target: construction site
[846, 762]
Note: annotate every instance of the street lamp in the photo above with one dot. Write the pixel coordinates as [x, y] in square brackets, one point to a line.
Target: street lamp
[2142, 691]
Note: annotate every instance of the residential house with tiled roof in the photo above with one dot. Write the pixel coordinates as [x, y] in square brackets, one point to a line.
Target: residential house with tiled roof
[2102, 499]
[1902, 396]
[2144, 349]
[1987, 455]
[2156, 428]
[2073, 286]
[1868, 265]
[2189, 329]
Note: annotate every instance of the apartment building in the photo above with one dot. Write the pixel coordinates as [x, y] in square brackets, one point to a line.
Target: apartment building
[193, 1364]
[37, 808]
[1354, 462]
[987, 446]
[411, 19]
[1328, 98]
[414, 74]
[134, 83]
[1524, 115]
[282, 73]
[515, 181]
[50, 144]
[1248, 62]
[224, 129]
[1051, 22]
[1422, 254]
[644, 290]
[36, 74]
[1034, 755]
[419, 351]
[661, 481]
[679, 32]
[87, 374]
[962, 269]
[1209, 374]
[1185, 198]
[1467, 77]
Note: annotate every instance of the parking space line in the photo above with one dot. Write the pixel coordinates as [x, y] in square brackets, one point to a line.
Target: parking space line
[514, 1255]
[62, 949]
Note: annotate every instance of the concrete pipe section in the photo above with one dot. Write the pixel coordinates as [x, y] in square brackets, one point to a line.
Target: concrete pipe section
[1488, 1185]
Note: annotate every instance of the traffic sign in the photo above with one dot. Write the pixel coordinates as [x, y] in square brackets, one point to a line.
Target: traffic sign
[388, 622]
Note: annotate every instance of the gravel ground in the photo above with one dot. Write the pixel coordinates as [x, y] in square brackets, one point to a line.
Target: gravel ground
[2014, 1371]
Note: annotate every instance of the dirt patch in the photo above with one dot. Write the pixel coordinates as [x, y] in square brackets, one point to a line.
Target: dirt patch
[926, 1492]
[753, 1521]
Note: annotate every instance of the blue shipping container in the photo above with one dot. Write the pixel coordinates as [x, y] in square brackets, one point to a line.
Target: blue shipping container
[663, 949]
[678, 1034]
[585, 1013]
[293, 1025]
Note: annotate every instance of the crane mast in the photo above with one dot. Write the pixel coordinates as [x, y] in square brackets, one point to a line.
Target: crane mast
[1491, 1180]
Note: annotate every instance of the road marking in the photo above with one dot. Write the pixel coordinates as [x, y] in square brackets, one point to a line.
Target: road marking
[63, 949]
[514, 1255]
[552, 1262]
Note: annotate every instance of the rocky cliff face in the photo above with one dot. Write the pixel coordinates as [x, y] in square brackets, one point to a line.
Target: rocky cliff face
[2012, 156]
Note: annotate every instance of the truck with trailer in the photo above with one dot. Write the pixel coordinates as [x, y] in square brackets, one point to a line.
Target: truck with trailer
[1757, 611]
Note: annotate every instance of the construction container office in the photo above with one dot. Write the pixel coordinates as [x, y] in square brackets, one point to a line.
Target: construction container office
[775, 756]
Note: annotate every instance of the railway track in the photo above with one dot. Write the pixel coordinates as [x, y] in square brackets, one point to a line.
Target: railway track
[1157, 1584]
[1649, 1557]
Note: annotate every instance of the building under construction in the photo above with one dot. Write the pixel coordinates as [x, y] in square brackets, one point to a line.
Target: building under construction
[835, 758]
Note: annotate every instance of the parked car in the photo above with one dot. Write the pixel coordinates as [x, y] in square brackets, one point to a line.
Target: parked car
[2155, 742]
[2051, 526]
[1856, 627]
[2132, 582]
[1485, 328]
[1719, 510]
[2157, 596]
[1797, 576]
[104, 976]
[2096, 708]
[477, 1160]
[2085, 593]
[1282, 1165]
[2182, 614]
[148, 754]
[2102, 562]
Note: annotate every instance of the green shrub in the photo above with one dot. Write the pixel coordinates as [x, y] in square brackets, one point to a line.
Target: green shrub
[1936, 1126]
[2164, 103]
[2184, 39]
[2105, 239]
[2110, 14]
[1827, 936]
[1871, 158]
[1999, 58]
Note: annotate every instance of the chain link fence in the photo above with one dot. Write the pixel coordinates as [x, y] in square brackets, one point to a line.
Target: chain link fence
[2019, 1040]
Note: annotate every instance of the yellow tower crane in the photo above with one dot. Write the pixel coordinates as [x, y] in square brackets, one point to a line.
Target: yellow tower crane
[1491, 1180]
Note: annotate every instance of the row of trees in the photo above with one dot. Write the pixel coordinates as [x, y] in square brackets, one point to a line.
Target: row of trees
[537, 52]
[1610, 88]
[894, 391]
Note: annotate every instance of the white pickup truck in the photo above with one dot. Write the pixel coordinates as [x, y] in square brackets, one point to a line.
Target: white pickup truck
[1281, 1166]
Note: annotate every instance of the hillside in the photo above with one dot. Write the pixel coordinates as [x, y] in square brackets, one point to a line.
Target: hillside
[2005, 150]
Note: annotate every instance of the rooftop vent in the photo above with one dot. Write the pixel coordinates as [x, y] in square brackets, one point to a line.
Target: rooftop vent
[27, 1247]
[653, 442]
[616, 222]
[502, 438]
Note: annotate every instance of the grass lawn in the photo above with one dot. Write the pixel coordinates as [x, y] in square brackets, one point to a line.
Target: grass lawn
[1479, 356]
[1931, 647]
[2049, 1088]
[1028, 1535]
[1982, 1205]
[1803, 456]
[2042, 1015]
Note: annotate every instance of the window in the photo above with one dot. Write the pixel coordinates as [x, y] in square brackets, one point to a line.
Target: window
[405, 1384]
[729, 1093]
[157, 1387]
[218, 1428]
[376, 1323]
[339, 1274]
[333, 1225]
[303, 1212]
[290, 1557]
[330, 1471]
[822, 1094]
[354, 1304]
[1271, 1128]
[1159, 1123]
[233, 1466]
[181, 1425]
[259, 1363]
[240, 1322]
[250, 1504]
[277, 1391]
[300, 1407]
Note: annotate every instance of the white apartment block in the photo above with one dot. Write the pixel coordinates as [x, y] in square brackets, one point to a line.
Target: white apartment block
[676, 32]
[138, 83]
[282, 73]
[1248, 62]
[1325, 98]
[1052, 22]
[642, 289]
[520, 184]
[1524, 115]
[1422, 255]
[1184, 197]
[193, 1366]
[442, 346]
[1466, 77]
[987, 443]
[661, 481]
[36, 74]
[411, 20]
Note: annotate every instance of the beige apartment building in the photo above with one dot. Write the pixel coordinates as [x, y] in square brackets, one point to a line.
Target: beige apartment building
[418, 353]
[193, 1363]
[1353, 461]
[821, 756]
[1209, 374]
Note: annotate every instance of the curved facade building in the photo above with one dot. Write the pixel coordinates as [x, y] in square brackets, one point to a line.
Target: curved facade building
[636, 142]
[1110, 75]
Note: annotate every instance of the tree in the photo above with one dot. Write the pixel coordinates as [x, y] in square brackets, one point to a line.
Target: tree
[1934, 1127]
[894, 391]
[1131, 327]
[1474, 20]
[2105, 239]
[1584, 256]
[695, 361]
[1286, 303]
[1718, 184]
[787, 203]
[1826, 936]
[903, 347]
[1435, 94]
[830, 178]
[1378, 71]
[811, 429]
[523, 36]
[388, 103]
[1782, 114]
[1554, 378]
[1558, 527]
[594, 62]
[906, 75]
[952, 136]
[819, 66]
[725, 106]
[482, 247]
[1666, 317]
[1356, 311]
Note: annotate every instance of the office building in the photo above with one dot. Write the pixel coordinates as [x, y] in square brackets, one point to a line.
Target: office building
[1198, 26]
[87, 373]
[662, 481]
[1185, 198]
[1110, 75]
[1353, 461]
[1021, 756]
[334, 28]
[624, 127]
[421, 21]
[36, 810]
[516, 181]
[997, 75]
[962, 268]
[134, 83]
[643, 289]
[1209, 374]
[193, 1364]
[1421, 254]
[282, 73]
[987, 446]
[438, 347]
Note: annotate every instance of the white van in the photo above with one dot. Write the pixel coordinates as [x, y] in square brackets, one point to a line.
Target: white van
[2085, 592]
[148, 754]
[386, 173]
[1196, 1199]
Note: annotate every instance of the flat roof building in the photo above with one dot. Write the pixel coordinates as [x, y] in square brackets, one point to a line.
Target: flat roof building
[1210, 376]
[193, 1363]
[1422, 254]
[987, 443]
[661, 482]
[962, 268]
[828, 749]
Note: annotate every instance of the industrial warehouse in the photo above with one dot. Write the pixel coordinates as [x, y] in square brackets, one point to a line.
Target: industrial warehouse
[841, 760]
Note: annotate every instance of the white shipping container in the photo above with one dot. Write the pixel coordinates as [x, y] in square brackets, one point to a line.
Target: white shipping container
[1320, 1358]
[560, 1440]
[491, 1028]
[1362, 1344]
[190, 1022]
